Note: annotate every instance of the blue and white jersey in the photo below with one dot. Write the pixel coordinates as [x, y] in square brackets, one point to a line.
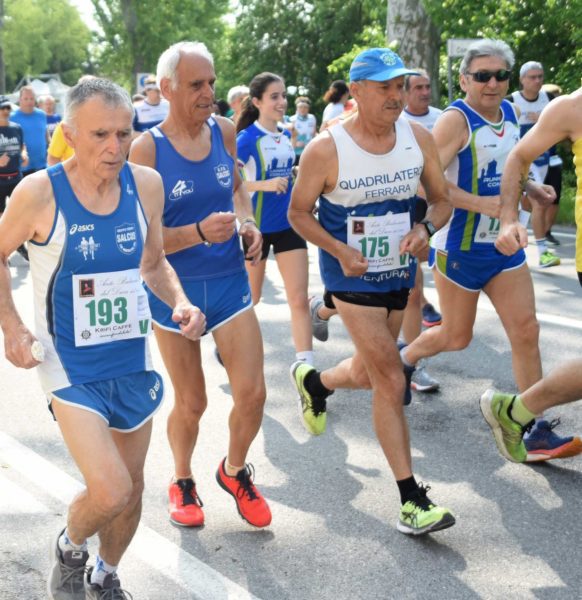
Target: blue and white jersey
[266, 155]
[530, 111]
[192, 191]
[477, 169]
[91, 311]
[370, 210]
[149, 115]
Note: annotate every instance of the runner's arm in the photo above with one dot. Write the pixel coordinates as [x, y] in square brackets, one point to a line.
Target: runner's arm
[156, 271]
[243, 206]
[21, 221]
[317, 173]
[450, 134]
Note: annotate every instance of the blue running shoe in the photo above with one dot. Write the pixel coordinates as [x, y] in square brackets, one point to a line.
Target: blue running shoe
[430, 316]
[543, 444]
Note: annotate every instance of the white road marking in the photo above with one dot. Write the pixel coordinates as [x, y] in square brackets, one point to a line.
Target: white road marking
[16, 501]
[200, 581]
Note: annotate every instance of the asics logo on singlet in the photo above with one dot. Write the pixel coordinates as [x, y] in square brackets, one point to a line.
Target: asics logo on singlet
[181, 188]
[81, 228]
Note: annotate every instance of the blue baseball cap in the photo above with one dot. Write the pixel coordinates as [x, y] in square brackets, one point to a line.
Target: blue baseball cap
[378, 64]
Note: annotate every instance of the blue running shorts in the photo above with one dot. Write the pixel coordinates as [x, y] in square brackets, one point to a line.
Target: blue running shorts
[125, 403]
[472, 271]
[221, 299]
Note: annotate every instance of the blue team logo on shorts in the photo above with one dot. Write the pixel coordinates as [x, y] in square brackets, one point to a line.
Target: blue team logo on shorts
[223, 175]
[126, 237]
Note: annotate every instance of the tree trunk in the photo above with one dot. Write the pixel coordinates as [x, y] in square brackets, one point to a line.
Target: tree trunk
[2, 69]
[418, 39]
[129, 15]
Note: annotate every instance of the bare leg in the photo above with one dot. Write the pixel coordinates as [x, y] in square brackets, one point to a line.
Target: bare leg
[241, 347]
[256, 275]
[561, 386]
[183, 363]
[512, 295]
[377, 364]
[293, 266]
[458, 308]
[112, 467]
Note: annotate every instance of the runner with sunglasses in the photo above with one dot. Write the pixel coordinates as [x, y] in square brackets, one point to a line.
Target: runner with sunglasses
[474, 137]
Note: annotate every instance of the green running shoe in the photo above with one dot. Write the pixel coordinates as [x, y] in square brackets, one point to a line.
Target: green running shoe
[549, 259]
[420, 516]
[313, 410]
[508, 433]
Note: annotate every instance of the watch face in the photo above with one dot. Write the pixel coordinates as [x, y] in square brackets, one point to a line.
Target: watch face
[430, 228]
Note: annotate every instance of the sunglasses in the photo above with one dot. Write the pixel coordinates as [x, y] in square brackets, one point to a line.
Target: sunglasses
[5, 108]
[485, 76]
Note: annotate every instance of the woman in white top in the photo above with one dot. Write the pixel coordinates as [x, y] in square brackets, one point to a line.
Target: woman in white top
[336, 96]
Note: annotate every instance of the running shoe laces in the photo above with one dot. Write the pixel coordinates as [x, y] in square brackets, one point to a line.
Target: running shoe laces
[189, 494]
[245, 479]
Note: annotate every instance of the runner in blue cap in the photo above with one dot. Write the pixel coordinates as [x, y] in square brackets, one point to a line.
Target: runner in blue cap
[365, 171]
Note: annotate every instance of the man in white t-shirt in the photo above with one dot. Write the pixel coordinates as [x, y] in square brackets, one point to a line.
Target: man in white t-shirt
[531, 101]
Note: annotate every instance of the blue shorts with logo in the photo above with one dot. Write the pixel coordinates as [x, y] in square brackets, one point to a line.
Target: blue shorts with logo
[125, 403]
[221, 299]
[473, 270]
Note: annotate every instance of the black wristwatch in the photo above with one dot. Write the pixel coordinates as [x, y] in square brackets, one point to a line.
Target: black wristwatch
[430, 228]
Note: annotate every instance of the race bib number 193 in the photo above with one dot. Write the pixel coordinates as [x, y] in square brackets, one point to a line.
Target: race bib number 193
[109, 306]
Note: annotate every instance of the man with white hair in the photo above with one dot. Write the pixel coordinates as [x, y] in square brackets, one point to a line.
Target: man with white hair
[474, 136]
[235, 99]
[195, 153]
[532, 100]
[92, 321]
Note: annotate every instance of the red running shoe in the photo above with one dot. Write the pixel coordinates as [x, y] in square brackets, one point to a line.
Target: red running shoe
[185, 504]
[251, 505]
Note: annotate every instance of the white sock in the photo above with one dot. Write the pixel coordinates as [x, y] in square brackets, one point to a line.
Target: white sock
[65, 543]
[305, 356]
[101, 570]
[542, 246]
[403, 358]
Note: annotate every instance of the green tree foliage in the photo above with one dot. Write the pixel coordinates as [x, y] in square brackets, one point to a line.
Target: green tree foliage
[44, 36]
[546, 30]
[136, 32]
[299, 39]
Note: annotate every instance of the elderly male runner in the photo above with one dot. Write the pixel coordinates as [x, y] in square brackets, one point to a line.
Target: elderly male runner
[365, 172]
[474, 137]
[195, 154]
[509, 415]
[92, 319]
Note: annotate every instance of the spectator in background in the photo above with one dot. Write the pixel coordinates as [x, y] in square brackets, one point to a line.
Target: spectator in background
[531, 101]
[48, 104]
[235, 98]
[336, 97]
[221, 108]
[13, 157]
[34, 127]
[303, 126]
[152, 110]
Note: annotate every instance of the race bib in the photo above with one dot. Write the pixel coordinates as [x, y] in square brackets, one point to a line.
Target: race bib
[108, 307]
[488, 228]
[378, 239]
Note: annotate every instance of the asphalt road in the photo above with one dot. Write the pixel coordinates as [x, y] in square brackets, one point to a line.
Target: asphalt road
[334, 503]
